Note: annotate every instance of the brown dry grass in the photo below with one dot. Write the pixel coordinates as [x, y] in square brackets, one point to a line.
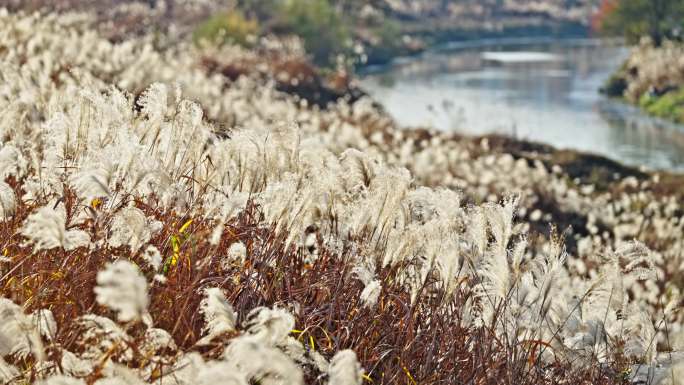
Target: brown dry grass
[397, 342]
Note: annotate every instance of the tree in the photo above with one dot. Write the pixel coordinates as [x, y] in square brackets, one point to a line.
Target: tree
[658, 19]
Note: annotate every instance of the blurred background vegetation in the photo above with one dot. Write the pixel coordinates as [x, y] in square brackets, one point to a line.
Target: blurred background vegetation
[352, 32]
[325, 27]
[653, 77]
[227, 27]
[349, 34]
[635, 19]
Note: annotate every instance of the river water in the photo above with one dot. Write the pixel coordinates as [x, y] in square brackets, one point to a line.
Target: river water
[540, 90]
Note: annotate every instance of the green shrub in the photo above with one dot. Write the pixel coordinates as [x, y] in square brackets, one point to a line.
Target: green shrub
[669, 105]
[317, 22]
[658, 19]
[227, 27]
[319, 25]
[646, 100]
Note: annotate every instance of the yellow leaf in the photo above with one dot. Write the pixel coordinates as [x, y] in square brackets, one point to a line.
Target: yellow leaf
[185, 226]
[408, 374]
[175, 244]
[95, 203]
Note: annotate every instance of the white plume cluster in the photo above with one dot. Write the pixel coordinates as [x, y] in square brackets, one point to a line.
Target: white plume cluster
[372, 286]
[18, 333]
[121, 287]
[219, 315]
[345, 369]
[47, 229]
[654, 67]
[7, 200]
[130, 227]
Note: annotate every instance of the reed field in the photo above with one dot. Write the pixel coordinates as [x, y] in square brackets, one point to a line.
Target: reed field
[191, 214]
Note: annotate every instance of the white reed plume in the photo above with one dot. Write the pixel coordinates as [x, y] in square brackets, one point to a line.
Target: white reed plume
[154, 101]
[237, 252]
[372, 287]
[449, 262]
[271, 326]
[62, 380]
[639, 334]
[345, 369]
[216, 234]
[477, 230]
[47, 229]
[7, 201]
[500, 219]
[117, 374]
[74, 365]
[103, 335]
[18, 332]
[153, 257]
[122, 288]
[157, 340]
[12, 161]
[358, 170]
[220, 372]
[262, 363]
[45, 324]
[130, 227]
[219, 316]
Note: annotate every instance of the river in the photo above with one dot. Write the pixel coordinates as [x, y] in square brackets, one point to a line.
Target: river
[533, 89]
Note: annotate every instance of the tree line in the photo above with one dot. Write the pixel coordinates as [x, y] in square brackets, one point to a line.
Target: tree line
[658, 19]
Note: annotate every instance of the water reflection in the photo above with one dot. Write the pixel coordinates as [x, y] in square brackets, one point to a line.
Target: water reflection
[543, 91]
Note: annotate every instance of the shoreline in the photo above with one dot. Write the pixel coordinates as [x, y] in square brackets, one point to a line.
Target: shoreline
[462, 45]
[442, 39]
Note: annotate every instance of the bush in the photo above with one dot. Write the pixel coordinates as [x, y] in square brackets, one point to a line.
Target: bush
[669, 105]
[319, 25]
[317, 22]
[227, 27]
[657, 19]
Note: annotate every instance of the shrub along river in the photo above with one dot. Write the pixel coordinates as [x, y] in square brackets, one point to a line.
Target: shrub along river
[532, 89]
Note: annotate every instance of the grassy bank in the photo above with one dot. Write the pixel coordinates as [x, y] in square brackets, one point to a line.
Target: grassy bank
[668, 105]
[652, 79]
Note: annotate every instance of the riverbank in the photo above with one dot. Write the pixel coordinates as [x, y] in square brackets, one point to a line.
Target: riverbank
[424, 39]
[420, 25]
[652, 79]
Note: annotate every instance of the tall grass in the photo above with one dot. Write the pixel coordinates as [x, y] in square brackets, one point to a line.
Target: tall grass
[147, 237]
